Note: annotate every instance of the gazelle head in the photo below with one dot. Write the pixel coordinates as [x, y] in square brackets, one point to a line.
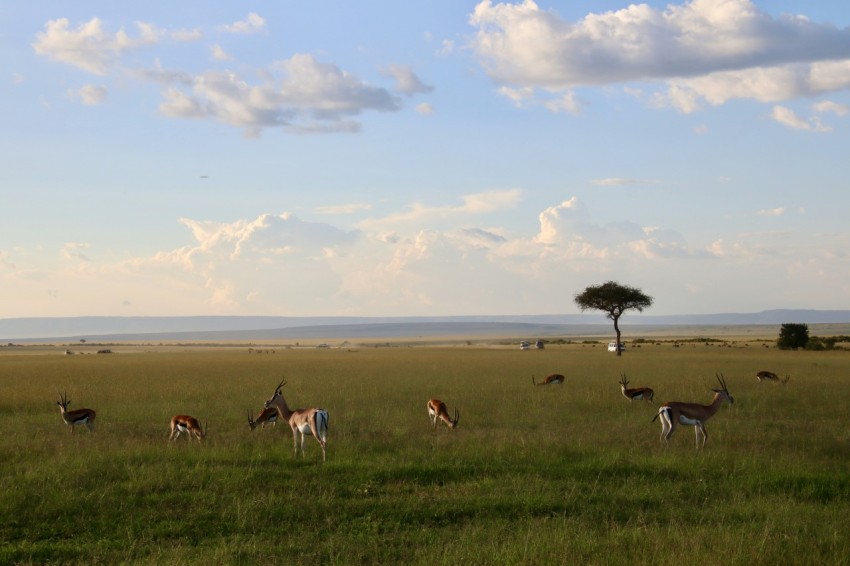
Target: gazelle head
[63, 402]
[787, 377]
[724, 391]
[453, 422]
[624, 382]
[251, 422]
[277, 393]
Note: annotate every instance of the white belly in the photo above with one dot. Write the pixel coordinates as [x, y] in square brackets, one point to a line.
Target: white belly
[305, 429]
[686, 421]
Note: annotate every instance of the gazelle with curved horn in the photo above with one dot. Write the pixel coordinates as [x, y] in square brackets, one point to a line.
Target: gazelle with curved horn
[77, 416]
[554, 379]
[636, 394]
[437, 410]
[189, 425]
[307, 422]
[770, 376]
[692, 414]
[267, 416]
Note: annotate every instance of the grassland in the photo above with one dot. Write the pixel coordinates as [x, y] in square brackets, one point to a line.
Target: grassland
[561, 474]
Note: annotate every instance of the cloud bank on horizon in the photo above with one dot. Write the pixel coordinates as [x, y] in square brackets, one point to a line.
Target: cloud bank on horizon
[393, 232]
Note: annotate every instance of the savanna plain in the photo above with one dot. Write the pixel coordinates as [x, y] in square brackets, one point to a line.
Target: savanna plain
[562, 474]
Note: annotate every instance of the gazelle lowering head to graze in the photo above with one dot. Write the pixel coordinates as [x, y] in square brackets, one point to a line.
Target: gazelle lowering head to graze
[266, 416]
[554, 379]
[636, 394]
[78, 416]
[189, 425]
[307, 422]
[770, 376]
[693, 414]
[437, 410]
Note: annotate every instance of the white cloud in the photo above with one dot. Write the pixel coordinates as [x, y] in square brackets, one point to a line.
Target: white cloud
[787, 117]
[419, 215]
[344, 208]
[406, 81]
[834, 107]
[219, 54]
[616, 182]
[301, 94]
[425, 108]
[771, 211]
[187, 34]
[89, 47]
[253, 23]
[75, 251]
[708, 51]
[90, 95]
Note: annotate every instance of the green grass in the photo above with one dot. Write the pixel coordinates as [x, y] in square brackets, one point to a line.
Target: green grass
[563, 474]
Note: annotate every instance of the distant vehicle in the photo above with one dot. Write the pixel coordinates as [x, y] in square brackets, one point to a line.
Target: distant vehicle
[524, 345]
[323, 345]
[612, 347]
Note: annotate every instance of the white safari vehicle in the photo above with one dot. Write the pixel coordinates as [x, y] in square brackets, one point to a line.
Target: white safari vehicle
[612, 346]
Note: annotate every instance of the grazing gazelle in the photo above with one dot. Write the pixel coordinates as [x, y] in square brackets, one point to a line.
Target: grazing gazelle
[554, 379]
[267, 416]
[437, 410]
[638, 393]
[308, 422]
[693, 414]
[75, 417]
[770, 376]
[189, 425]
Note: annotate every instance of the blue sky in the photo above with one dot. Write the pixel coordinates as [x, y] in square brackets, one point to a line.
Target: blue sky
[422, 158]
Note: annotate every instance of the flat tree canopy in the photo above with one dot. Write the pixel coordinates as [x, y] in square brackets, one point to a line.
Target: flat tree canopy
[613, 299]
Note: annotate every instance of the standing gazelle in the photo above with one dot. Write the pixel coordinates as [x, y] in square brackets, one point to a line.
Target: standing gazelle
[267, 416]
[189, 425]
[554, 379]
[75, 417]
[437, 410]
[638, 393]
[693, 414]
[308, 422]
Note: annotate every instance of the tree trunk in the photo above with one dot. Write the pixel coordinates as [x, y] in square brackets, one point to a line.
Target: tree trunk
[617, 329]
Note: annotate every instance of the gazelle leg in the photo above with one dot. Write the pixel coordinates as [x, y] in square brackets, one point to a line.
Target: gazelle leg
[700, 431]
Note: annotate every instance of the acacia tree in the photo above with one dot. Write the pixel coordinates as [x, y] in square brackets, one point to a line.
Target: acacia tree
[613, 299]
[793, 335]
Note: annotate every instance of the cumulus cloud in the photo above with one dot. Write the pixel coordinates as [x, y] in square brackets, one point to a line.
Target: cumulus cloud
[474, 204]
[787, 117]
[90, 95]
[406, 81]
[425, 108]
[834, 107]
[89, 47]
[253, 23]
[301, 94]
[706, 51]
[344, 208]
[616, 182]
[75, 251]
[186, 34]
[219, 54]
[267, 233]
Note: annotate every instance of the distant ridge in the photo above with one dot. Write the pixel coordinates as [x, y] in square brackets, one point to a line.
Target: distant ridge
[255, 327]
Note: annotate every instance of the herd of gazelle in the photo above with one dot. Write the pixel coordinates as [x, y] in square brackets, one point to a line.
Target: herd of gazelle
[314, 422]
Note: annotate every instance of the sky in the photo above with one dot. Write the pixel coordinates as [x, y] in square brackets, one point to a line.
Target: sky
[445, 157]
